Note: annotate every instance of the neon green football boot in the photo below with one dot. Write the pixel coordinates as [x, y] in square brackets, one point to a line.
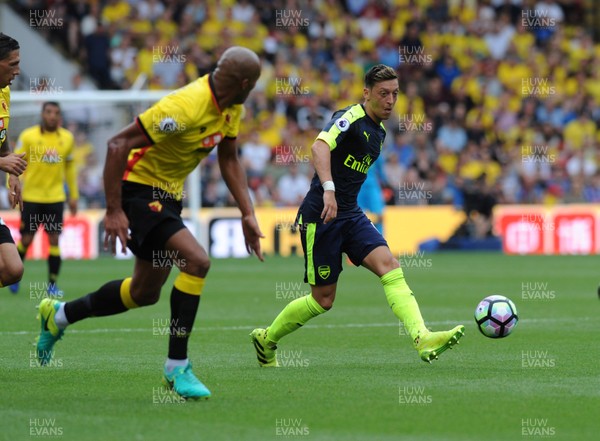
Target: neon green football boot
[265, 351]
[49, 332]
[431, 344]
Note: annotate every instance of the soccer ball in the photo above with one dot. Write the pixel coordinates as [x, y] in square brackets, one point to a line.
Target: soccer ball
[496, 316]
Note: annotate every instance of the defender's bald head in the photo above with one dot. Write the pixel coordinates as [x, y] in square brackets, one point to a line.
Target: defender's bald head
[237, 71]
[240, 61]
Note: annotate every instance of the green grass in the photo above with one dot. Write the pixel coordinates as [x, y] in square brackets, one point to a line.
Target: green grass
[355, 376]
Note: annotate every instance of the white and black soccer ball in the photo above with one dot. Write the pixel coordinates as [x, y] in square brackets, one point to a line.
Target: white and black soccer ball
[496, 316]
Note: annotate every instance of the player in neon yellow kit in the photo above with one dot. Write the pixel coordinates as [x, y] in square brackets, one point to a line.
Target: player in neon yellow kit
[331, 222]
[146, 165]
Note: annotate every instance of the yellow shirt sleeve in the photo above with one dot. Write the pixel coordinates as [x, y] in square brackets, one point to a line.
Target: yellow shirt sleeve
[171, 115]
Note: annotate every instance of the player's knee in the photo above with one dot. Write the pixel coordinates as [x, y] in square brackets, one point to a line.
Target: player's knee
[145, 297]
[197, 266]
[325, 299]
[386, 264]
[392, 263]
[326, 303]
[147, 300]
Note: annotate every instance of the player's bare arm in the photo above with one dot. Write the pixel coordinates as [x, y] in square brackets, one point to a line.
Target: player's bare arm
[322, 163]
[71, 172]
[14, 165]
[235, 178]
[15, 196]
[119, 146]
[10, 162]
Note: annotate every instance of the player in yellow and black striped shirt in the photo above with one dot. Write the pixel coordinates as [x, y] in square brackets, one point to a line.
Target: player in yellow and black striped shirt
[146, 165]
[11, 267]
[48, 150]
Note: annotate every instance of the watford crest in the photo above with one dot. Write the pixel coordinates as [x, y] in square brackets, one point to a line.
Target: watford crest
[155, 206]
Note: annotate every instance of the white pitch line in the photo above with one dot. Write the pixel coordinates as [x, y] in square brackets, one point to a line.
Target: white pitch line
[324, 326]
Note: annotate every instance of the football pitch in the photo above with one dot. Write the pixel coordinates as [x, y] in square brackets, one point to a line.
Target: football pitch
[350, 374]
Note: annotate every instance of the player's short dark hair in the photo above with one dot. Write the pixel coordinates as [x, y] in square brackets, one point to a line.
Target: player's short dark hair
[7, 45]
[50, 103]
[379, 73]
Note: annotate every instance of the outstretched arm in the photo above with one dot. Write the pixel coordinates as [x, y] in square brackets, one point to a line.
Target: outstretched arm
[71, 178]
[235, 178]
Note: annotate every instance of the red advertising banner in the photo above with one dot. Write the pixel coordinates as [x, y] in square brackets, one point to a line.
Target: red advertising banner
[522, 234]
[79, 238]
[524, 229]
[575, 233]
[565, 229]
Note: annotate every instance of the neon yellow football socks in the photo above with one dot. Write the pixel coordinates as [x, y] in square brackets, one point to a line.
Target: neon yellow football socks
[403, 303]
[294, 315]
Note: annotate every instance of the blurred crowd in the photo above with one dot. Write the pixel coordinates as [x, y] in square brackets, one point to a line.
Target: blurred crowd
[499, 102]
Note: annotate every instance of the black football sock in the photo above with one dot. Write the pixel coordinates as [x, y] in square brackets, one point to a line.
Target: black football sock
[112, 298]
[183, 313]
[54, 261]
